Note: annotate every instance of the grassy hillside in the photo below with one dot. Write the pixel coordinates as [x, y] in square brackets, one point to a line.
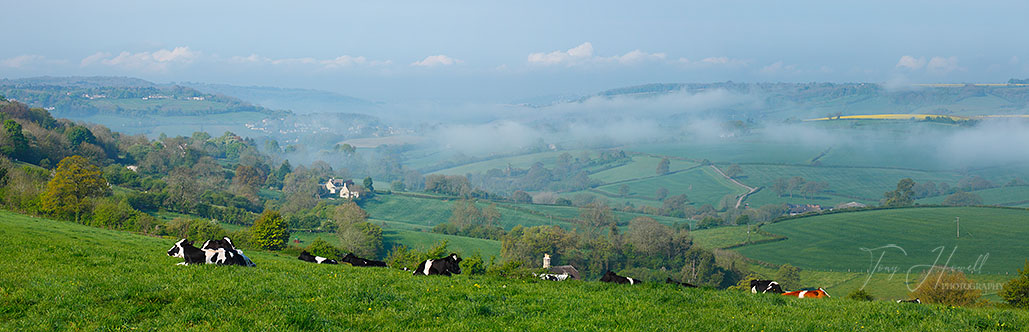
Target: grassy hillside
[834, 242]
[701, 185]
[1003, 196]
[93, 279]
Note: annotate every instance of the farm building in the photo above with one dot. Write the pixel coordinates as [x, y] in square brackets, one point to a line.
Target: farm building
[343, 188]
[569, 270]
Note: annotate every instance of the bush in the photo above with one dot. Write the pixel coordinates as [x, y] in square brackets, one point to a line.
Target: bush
[402, 256]
[270, 232]
[511, 269]
[1016, 291]
[196, 229]
[943, 285]
[860, 295]
[473, 265]
[788, 277]
[320, 247]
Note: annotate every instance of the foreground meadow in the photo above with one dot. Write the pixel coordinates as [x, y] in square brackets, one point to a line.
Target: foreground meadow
[59, 275]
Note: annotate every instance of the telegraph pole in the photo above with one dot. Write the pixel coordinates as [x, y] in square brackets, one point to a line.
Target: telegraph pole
[957, 220]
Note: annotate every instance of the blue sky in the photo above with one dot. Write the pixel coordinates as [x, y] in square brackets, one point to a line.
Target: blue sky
[483, 51]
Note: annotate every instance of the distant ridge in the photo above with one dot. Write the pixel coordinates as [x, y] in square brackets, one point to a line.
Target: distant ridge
[300, 101]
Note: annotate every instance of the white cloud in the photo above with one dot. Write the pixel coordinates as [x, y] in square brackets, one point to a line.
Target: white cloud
[343, 61]
[22, 61]
[911, 62]
[572, 55]
[777, 67]
[437, 60]
[941, 65]
[148, 61]
[722, 61]
[583, 54]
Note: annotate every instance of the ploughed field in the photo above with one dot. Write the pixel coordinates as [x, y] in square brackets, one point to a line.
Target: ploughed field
[60, 275]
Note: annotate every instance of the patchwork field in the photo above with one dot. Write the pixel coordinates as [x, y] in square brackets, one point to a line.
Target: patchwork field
[701, 185]
[95, 279]
[992, 240]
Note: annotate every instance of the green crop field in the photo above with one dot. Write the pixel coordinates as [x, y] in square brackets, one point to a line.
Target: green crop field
[721, 237]
[701, 185]
[520, 161]
[640, 167]
[64, 276]
[992, 240]
[1003, 196]
[429, 212]
[737, 151]
[845, 184]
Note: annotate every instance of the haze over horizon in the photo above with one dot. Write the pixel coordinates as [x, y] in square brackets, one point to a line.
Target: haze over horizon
[478, 52]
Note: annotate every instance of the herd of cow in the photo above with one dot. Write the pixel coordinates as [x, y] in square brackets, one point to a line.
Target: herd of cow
[222, 252]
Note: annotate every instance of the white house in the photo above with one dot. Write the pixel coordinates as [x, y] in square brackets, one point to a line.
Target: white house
[344, 188]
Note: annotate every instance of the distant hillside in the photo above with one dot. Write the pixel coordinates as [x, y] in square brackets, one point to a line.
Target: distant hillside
[804, 99]
[79, 97]
[300, 101]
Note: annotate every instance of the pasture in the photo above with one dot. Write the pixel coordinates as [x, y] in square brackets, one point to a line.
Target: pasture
[992, 240]
[95, 279]
[845, 183]
[701, 185]
[1003, 196]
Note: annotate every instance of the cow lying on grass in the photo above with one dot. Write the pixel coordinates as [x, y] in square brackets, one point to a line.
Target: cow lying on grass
[765, 286]
[808, 294]
[193, 255]
[916, 300]
[443, 266]
[226, 244]
[552, 277]
[612, 277]
[684, 284]
[361, 262]
[307, 257]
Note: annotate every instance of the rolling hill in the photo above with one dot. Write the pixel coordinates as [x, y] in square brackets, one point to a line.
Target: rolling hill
[94, 279]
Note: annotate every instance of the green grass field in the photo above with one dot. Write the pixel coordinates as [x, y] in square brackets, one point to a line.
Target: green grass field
[835, 241]
[721, 237]
[701, 185]
[736, 150]
[1003, 196]
[548, 159]
[845, 184]
[640, 167]
[59, 275]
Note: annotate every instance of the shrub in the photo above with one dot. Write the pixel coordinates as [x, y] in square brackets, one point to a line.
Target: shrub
[196, 229]
[320, 247]
[1016, 291]
[860, 295]
[270, 232]
[946, 286]
[788, 276]
[473, 265]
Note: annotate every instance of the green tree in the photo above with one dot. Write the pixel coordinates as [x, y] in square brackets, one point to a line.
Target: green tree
[943, 285]
[661, 194]
[363, 239]
[397, 185]
[962, 198]
[74, 181]
[623, 190]
[270, 231]
[368, 184]
[78, 135]
[662, 166]
[902, 196]
[1016, 291]
[860, 295]
[734, 171]
[521, 197]
[788, 276]
[13, 142]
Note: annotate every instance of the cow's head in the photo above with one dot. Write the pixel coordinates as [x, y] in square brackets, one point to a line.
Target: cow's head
[455, 264]
[177, 249]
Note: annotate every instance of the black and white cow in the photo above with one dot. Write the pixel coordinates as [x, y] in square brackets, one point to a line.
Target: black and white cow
[307, 257]
[443, 266]
[765, 286]
[684, 284]
[916, 300]
[226, 243]
[193, 255]
[612, 277]
[358, 261]
[553, 277]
